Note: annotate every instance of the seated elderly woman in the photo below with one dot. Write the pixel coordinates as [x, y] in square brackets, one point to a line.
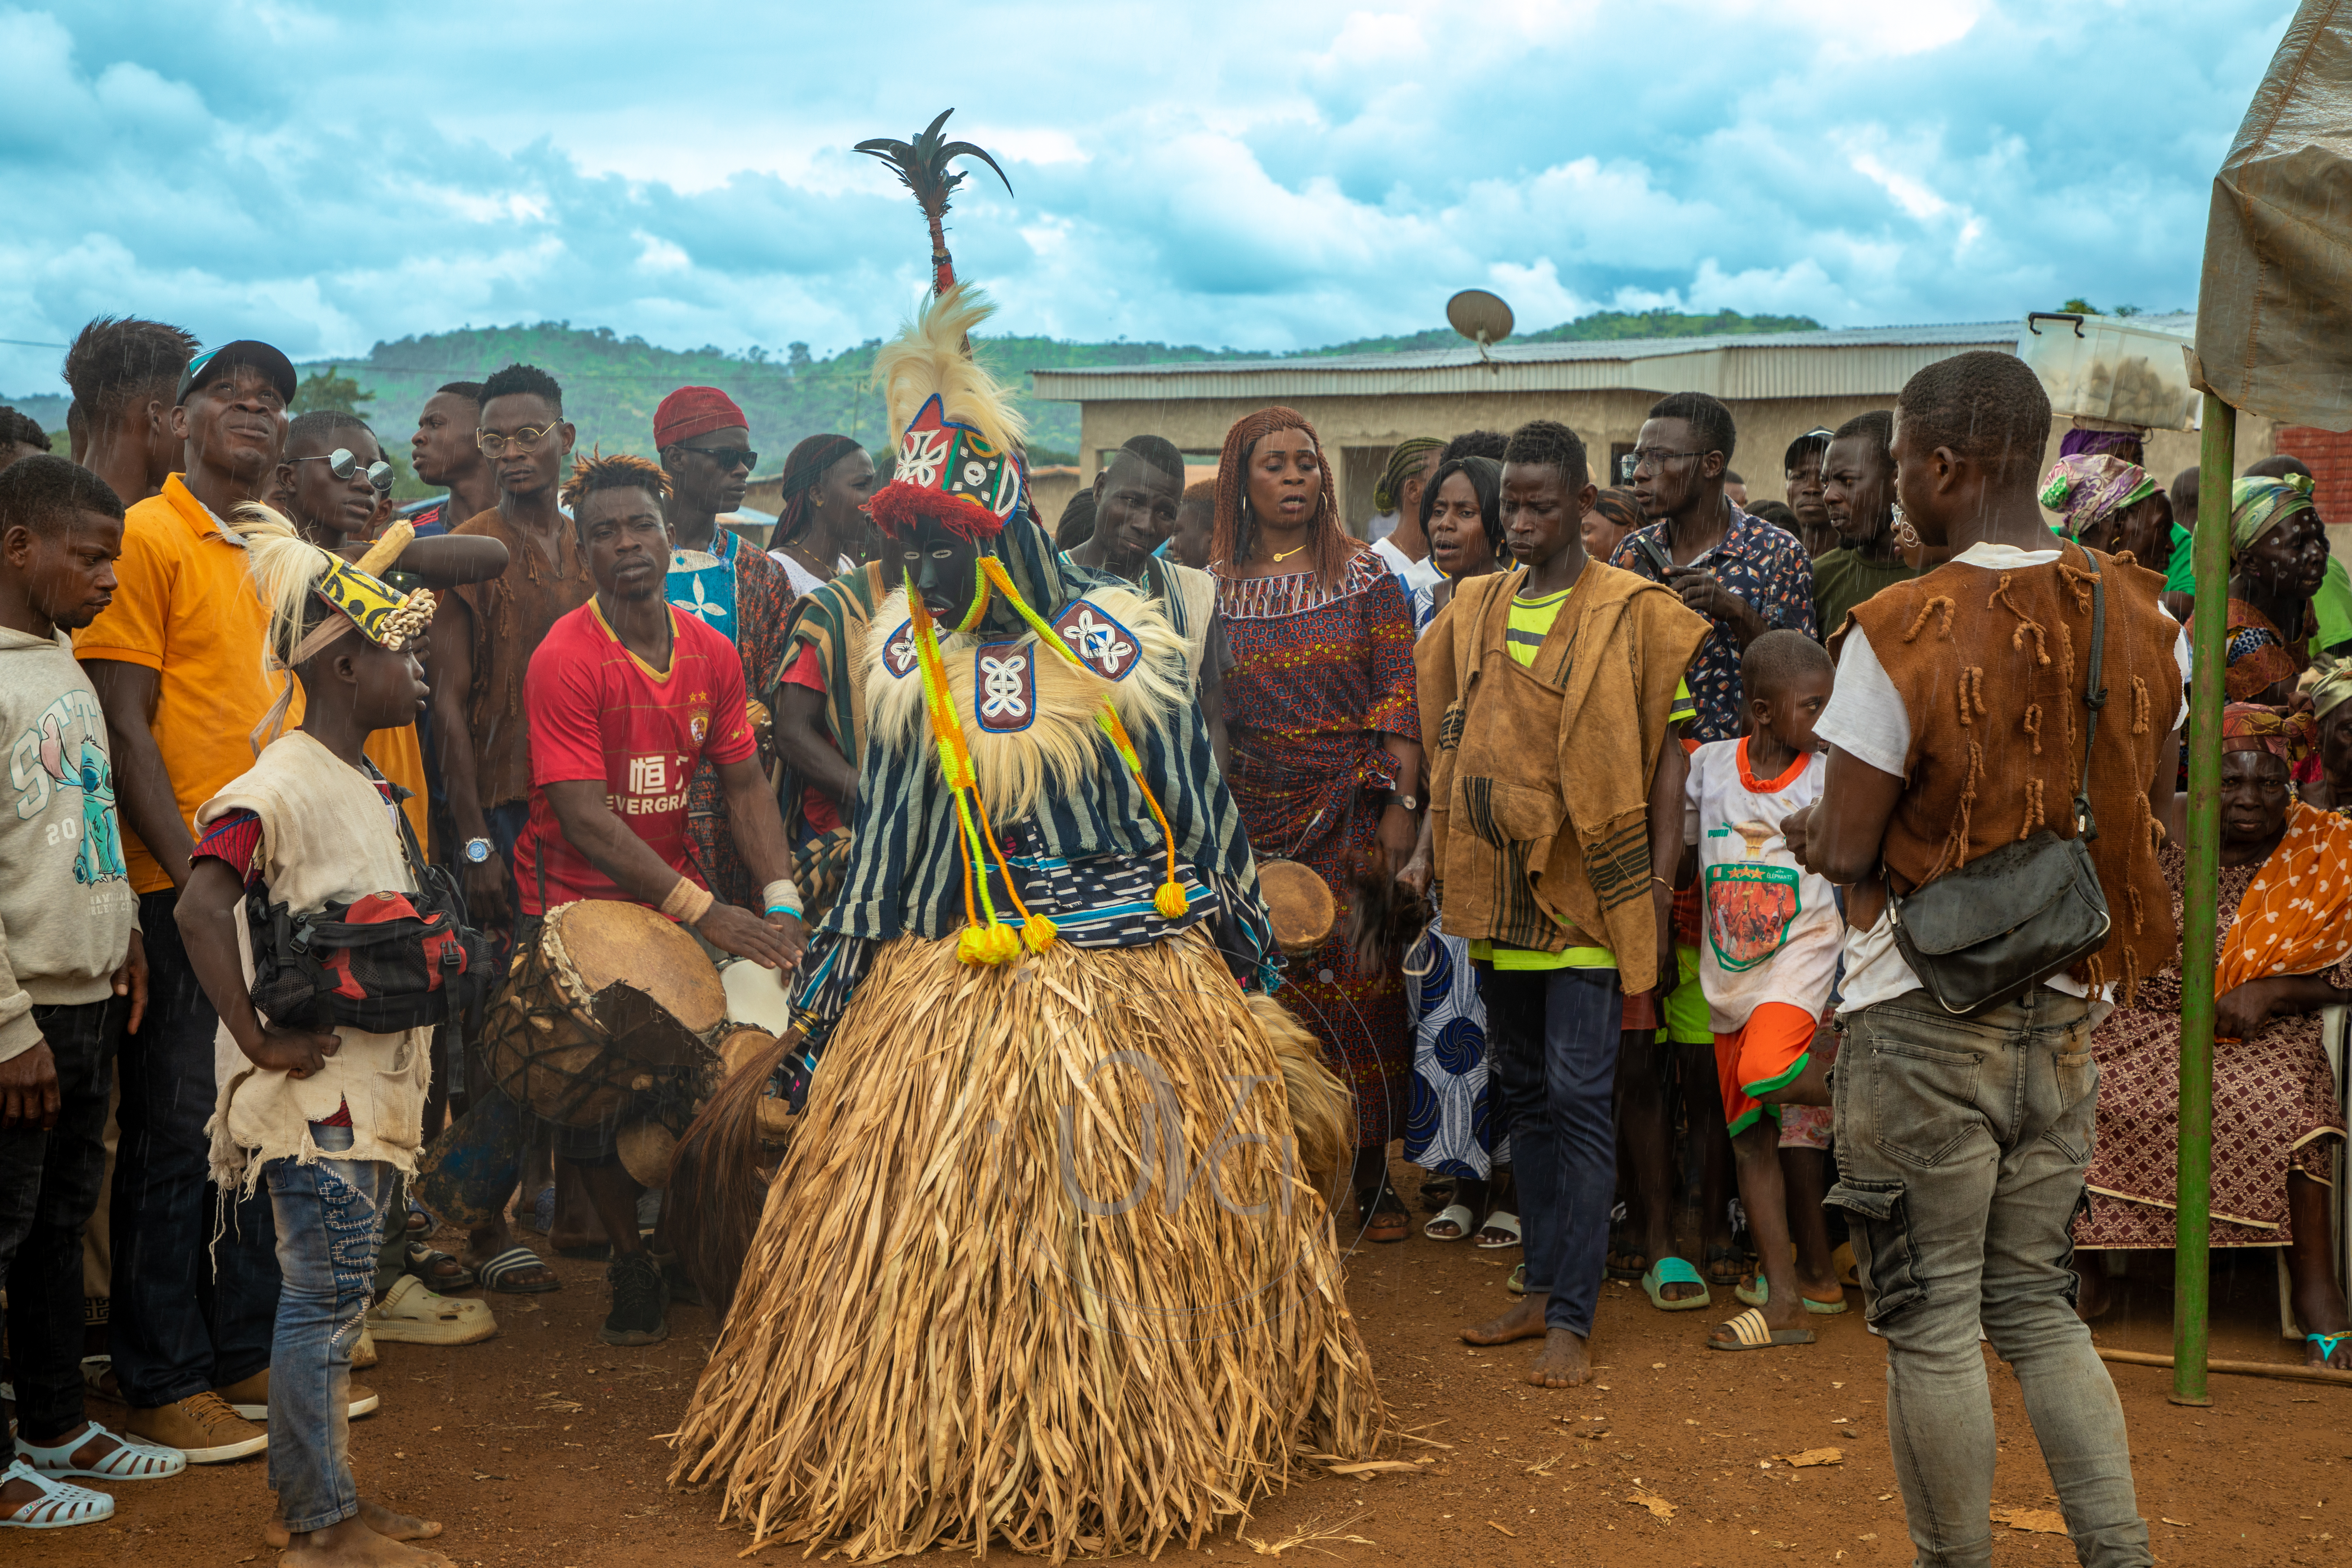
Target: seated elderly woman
[2285, 914]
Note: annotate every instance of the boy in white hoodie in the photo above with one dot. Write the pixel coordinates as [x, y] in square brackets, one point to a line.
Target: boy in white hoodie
[72, 978]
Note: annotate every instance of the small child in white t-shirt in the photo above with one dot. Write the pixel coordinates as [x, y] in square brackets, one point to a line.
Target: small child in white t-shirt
[1766, 961]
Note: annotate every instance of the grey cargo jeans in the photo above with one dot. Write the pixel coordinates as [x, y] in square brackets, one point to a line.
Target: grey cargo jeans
[1961, 1147]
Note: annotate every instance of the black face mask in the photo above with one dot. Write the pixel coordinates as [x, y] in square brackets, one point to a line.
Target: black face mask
[944, 566]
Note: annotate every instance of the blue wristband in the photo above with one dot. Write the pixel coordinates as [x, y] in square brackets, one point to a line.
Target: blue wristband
[785, 909]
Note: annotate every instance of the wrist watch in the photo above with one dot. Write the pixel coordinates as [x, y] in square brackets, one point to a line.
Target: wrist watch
[1410, 802]
[477, 850]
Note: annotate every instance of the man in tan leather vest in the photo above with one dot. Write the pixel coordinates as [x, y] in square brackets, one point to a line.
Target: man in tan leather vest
[1959, 725]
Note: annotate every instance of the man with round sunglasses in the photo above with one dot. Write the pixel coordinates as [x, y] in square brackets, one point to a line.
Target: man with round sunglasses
[734, 588]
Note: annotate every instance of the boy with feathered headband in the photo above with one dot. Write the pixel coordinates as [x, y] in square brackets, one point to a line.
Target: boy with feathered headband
[326, 1120]
[1047, 1161]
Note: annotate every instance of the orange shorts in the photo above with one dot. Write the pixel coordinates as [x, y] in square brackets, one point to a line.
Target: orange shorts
[1769, 1052]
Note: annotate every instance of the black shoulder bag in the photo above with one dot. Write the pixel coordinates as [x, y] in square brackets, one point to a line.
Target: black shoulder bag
[2007, 921]
[382, 964]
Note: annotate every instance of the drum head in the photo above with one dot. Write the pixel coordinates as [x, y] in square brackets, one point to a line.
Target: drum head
[1299, 904]
[652, 987]
[756, 997]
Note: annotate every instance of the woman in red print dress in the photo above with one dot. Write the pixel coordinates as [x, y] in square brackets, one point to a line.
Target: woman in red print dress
[1326, 746]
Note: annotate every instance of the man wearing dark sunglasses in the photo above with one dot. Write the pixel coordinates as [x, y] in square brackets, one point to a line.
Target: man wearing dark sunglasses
[731, 586]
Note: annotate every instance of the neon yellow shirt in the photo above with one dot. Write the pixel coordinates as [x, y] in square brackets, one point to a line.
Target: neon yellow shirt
[1531, 622]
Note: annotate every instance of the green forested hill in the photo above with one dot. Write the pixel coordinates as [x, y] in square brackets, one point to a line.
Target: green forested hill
[612, 384]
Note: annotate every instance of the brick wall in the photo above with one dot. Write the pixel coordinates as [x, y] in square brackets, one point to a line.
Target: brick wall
[2329, 454]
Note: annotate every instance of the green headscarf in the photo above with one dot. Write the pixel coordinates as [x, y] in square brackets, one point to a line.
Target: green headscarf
[2259, 505]
[2331, 691]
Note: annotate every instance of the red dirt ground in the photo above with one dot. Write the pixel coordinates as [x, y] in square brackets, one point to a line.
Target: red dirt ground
[538, 1448]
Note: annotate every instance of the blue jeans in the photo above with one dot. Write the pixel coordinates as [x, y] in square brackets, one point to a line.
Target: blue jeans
[1552, 1036]
[328, 1216]
[1961, 1146]
[190, 1313]
[50, 1185]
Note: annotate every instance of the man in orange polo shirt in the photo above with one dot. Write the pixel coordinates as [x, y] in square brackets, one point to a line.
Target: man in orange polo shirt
[176, 661]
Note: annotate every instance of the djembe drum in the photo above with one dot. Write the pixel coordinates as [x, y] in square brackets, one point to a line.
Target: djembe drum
[1298, 905]
[615, 1001]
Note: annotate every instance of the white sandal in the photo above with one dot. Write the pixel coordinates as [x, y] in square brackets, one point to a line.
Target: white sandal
[1502, 1220]
[126, 1461]
[61, 1503]
[1458, 1216]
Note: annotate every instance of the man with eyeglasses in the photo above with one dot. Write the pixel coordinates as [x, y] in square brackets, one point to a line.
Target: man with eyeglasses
[735, 589]
[484, 633]
[176, 662]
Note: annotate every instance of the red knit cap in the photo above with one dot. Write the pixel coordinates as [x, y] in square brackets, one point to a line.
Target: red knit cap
[692, 411]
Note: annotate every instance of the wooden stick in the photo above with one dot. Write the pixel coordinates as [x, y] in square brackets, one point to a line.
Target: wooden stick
[2286, 1369]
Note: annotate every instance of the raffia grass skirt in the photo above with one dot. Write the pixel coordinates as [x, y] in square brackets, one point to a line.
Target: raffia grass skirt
[1041, 1269]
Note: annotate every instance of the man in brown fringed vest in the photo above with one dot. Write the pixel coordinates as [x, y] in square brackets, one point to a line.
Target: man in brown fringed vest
[1957, 727]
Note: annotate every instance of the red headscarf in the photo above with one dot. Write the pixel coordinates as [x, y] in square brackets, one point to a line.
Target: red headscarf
[692, 411]
[1329, 546]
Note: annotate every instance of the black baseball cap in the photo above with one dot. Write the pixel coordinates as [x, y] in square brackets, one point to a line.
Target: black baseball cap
[214, 362]
[1818, 436]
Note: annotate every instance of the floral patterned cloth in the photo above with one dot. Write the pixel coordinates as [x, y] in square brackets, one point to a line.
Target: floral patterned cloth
[1318, 677]
[2275, 1107]
[737, 591]
[1762, 565]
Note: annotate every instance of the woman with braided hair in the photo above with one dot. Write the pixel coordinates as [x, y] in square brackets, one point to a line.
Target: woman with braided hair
[820, 525]
[1325, 736]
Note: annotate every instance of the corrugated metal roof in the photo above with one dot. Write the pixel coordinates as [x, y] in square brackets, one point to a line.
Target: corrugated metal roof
[1844, 362]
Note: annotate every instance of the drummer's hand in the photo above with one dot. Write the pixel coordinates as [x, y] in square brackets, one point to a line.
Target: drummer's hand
[297, 1053]
[734, 929]
[795, 934]
[485, 892]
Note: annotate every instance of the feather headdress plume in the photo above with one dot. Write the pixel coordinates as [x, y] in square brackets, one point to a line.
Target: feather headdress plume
[288, 571]
[958, 456]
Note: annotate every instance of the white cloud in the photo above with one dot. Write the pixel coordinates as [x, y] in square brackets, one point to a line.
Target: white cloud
[1219, 174]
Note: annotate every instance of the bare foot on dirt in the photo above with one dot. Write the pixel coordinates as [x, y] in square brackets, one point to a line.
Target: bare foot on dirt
[379, 1519]
[352, 1544]
[1523, 1321]
[1564, 1362]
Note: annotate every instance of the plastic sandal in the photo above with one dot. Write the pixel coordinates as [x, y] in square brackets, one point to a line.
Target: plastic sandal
[1518, 1283]
[127, 1461]
[498, 1271]
[1455, 1214]
[426, 1262]
[2328, 1343]
[1750, 1332]
[1668, 1271]
[1757, 1291]
[1504, 1220]
[60, 1504]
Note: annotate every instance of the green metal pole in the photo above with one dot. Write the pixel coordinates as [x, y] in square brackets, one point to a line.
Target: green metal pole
[2194, 1190]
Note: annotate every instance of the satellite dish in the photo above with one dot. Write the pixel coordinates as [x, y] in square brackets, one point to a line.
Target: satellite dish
[1481, 317]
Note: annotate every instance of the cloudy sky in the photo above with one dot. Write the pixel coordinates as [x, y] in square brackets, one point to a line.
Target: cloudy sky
[1263, 176]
